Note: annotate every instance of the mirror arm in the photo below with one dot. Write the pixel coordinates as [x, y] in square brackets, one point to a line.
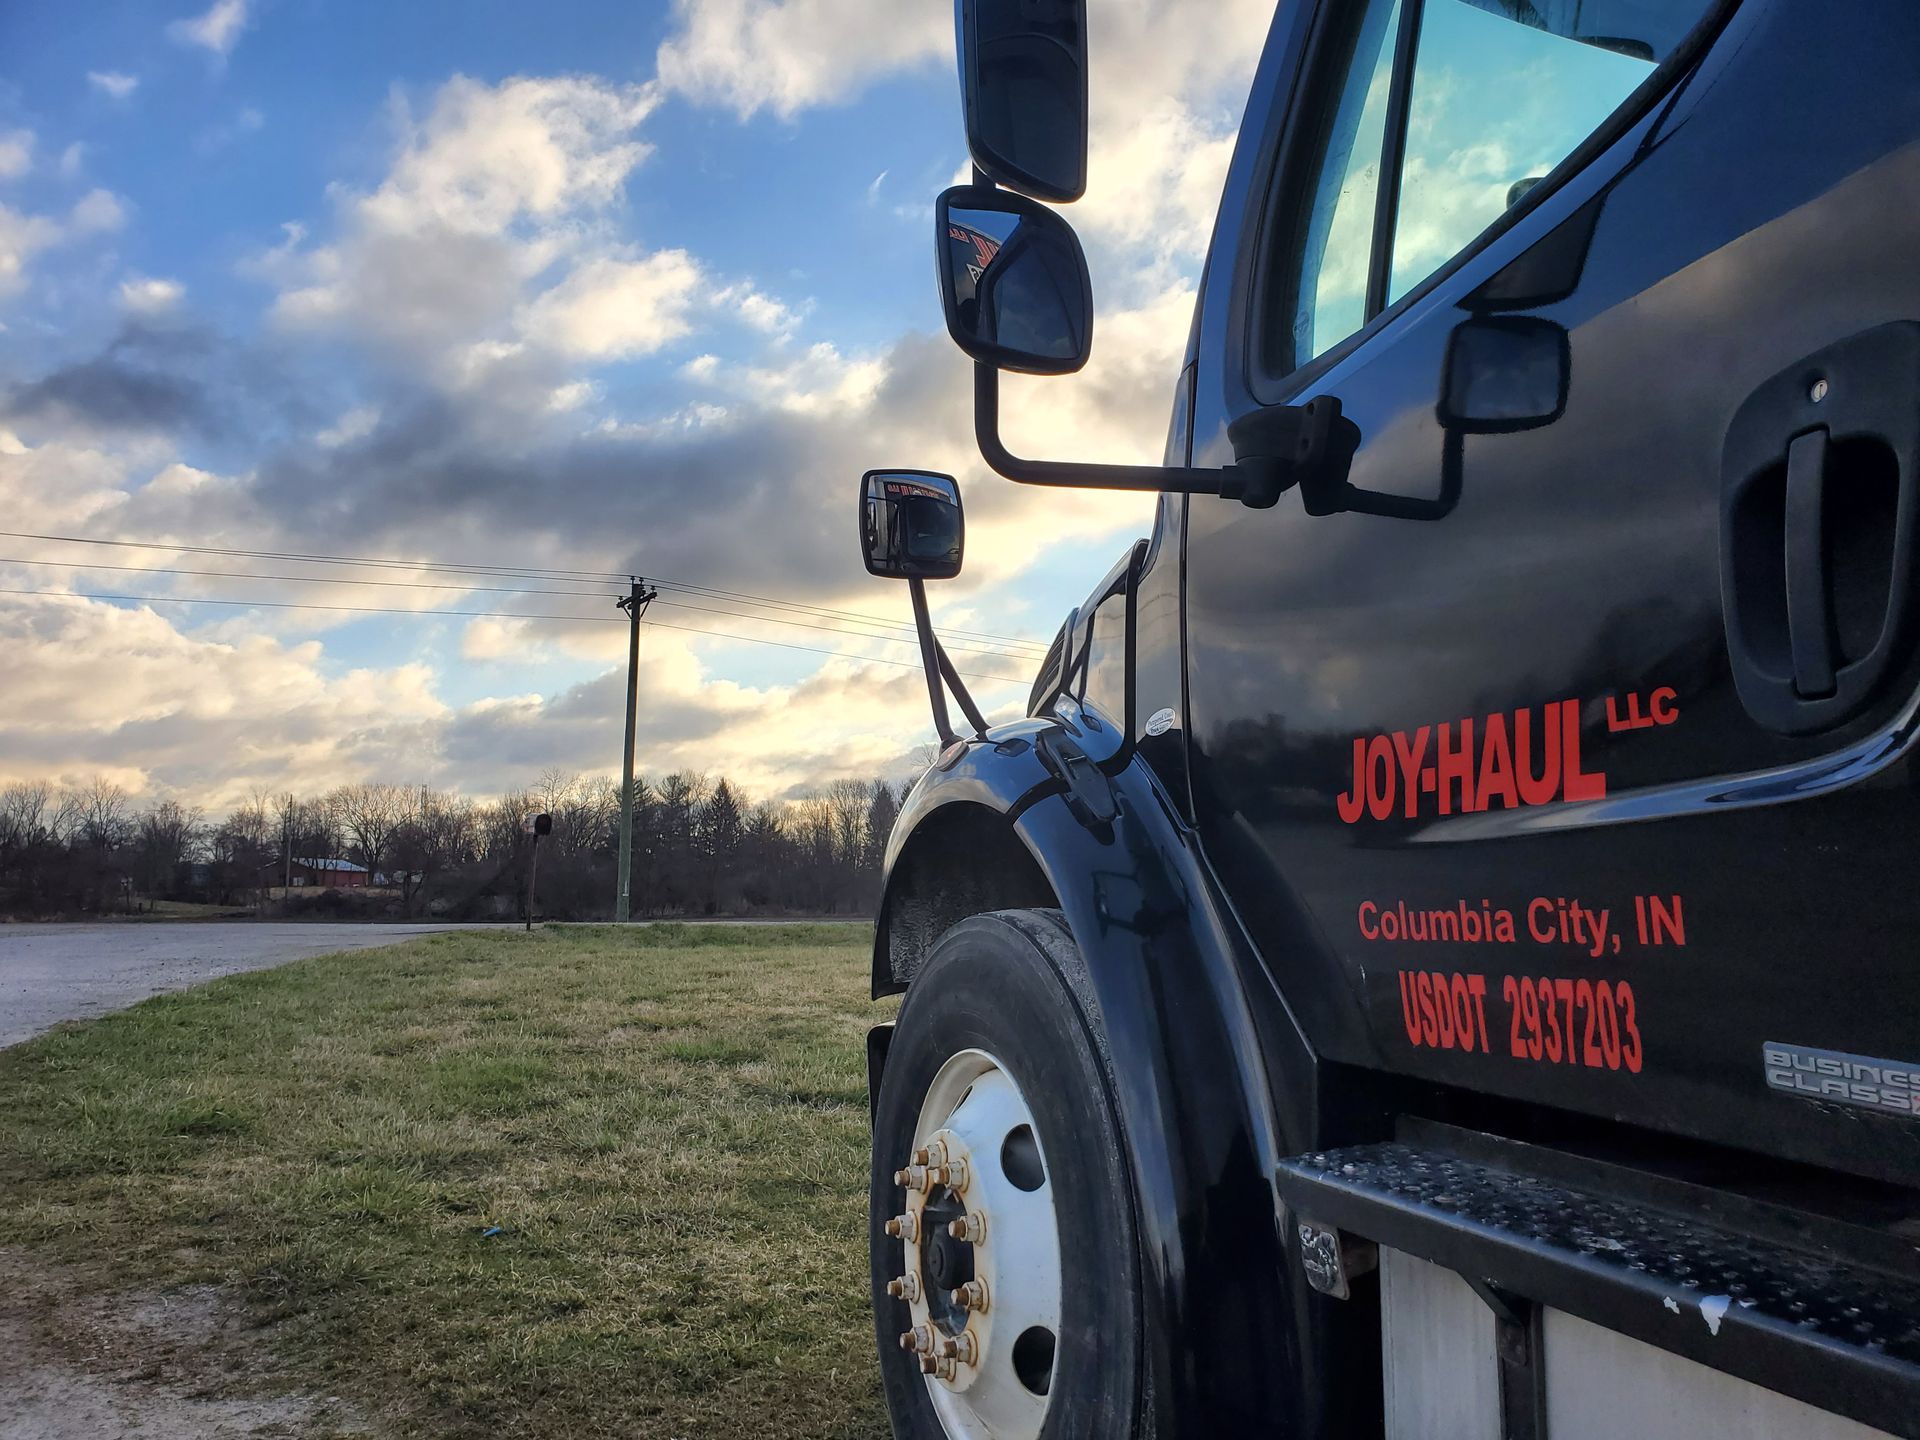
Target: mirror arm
[986, 427]
[960, 692]
[931, 656]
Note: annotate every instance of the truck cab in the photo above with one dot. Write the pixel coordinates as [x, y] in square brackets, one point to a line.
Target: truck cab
[1437, 958]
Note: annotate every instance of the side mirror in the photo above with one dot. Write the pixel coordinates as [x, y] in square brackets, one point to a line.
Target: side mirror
[1023, 79]
[1504, 373]
[911, 525]
[1013, 282]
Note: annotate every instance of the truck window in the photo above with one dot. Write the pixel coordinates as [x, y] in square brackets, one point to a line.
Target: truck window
[1106, 684]
[1334, 255]
[1502, 91]
[1487, 98]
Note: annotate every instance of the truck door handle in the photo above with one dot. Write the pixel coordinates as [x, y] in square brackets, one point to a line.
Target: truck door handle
[1820, 513]
[1809, 610]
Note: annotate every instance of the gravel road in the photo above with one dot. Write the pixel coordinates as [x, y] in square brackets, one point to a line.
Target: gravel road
[50, 973]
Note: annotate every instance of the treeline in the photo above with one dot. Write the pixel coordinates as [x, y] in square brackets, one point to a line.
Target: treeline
[700, 847]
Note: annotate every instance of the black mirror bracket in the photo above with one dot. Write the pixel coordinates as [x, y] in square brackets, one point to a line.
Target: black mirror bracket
[1278, 447]
[939, 668]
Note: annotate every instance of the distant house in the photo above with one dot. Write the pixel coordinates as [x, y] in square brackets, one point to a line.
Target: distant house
[316, 874]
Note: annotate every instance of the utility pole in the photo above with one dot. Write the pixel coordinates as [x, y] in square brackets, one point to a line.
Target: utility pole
[638, 598]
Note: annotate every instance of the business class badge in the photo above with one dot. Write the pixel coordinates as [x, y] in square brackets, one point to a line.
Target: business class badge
[1885, 1085]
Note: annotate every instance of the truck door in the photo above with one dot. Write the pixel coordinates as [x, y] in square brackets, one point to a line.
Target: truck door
[1566, 754]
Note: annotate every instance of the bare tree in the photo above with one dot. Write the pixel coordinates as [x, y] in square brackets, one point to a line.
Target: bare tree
[23, 812]
[166, 837]
[102, 814]
[369, 814]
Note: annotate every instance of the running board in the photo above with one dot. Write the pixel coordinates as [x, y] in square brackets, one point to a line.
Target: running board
[1823, 1312]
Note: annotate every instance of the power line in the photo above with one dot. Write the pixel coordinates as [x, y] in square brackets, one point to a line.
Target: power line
[894, 639]
[491, 615]
[505, 572]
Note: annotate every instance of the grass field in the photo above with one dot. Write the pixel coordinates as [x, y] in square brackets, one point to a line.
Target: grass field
[585, 1182]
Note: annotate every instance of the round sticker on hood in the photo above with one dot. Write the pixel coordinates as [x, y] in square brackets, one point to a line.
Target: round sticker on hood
[1160, 722]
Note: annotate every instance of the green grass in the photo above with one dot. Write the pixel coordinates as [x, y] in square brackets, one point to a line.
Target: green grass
[664, 1130]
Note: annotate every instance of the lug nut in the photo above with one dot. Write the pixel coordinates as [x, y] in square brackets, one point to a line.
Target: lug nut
[953, 1175]
[920, 1340]
[961, 1347]
[972, 1229]
[936, 1153]
[921, 1157]
[904, 1227]
[939, 1368]
[907, 1287]
[915, 1177]
[971, 1296]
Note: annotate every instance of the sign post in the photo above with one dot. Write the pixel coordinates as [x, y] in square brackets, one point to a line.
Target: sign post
[536, 826]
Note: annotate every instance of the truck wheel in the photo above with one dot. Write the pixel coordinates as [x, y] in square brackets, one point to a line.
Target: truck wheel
[1005, 1258]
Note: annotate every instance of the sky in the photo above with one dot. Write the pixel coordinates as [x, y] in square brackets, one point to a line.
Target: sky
[586, 287]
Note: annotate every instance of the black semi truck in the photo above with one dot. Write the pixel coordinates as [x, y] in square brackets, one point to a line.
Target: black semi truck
[1438, 959]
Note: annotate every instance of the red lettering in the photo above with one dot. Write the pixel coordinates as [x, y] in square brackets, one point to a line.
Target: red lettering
[1477, 987]
[1545, 991]
[1443, 1011]
[1530, 1006]
[1408, 1008]
[1574, 785]
[1629, 1028]
[1496, 767]
[1462, 1010]
[1563, 992]
[1410, 758]
[1379, 777]
[1660, 707]
[1541, 788]
[1545, 936]
[1368, 907]
[1583, 997]
[1429, 1026]
[1456, 767]
[1609, 1018]
[1351, 805]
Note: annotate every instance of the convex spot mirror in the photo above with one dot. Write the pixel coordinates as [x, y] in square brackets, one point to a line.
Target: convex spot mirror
[1013, 282]
[1023, 83]
[911, 525]
[1505, 373]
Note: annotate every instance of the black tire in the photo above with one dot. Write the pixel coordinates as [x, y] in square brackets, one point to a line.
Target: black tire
[1012, 983]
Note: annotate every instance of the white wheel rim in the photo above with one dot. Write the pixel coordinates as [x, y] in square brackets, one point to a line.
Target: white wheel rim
[984, 1386]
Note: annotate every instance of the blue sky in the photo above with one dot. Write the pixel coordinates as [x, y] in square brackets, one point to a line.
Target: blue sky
[583, 285]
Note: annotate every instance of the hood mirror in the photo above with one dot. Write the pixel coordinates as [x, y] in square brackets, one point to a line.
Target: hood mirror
[911, 525]
[1013, 282]
[1023, 83]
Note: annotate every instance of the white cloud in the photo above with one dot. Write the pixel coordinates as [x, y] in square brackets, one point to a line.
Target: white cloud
[787, 55]
[21, 237]
[72, 158]
[356, 424]
[16, 153]
[150, 295]
[610, 309]
[96, 211]
[489, 156]
[495, 189]
[217, 30]
[113, 83]
[571, 396]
